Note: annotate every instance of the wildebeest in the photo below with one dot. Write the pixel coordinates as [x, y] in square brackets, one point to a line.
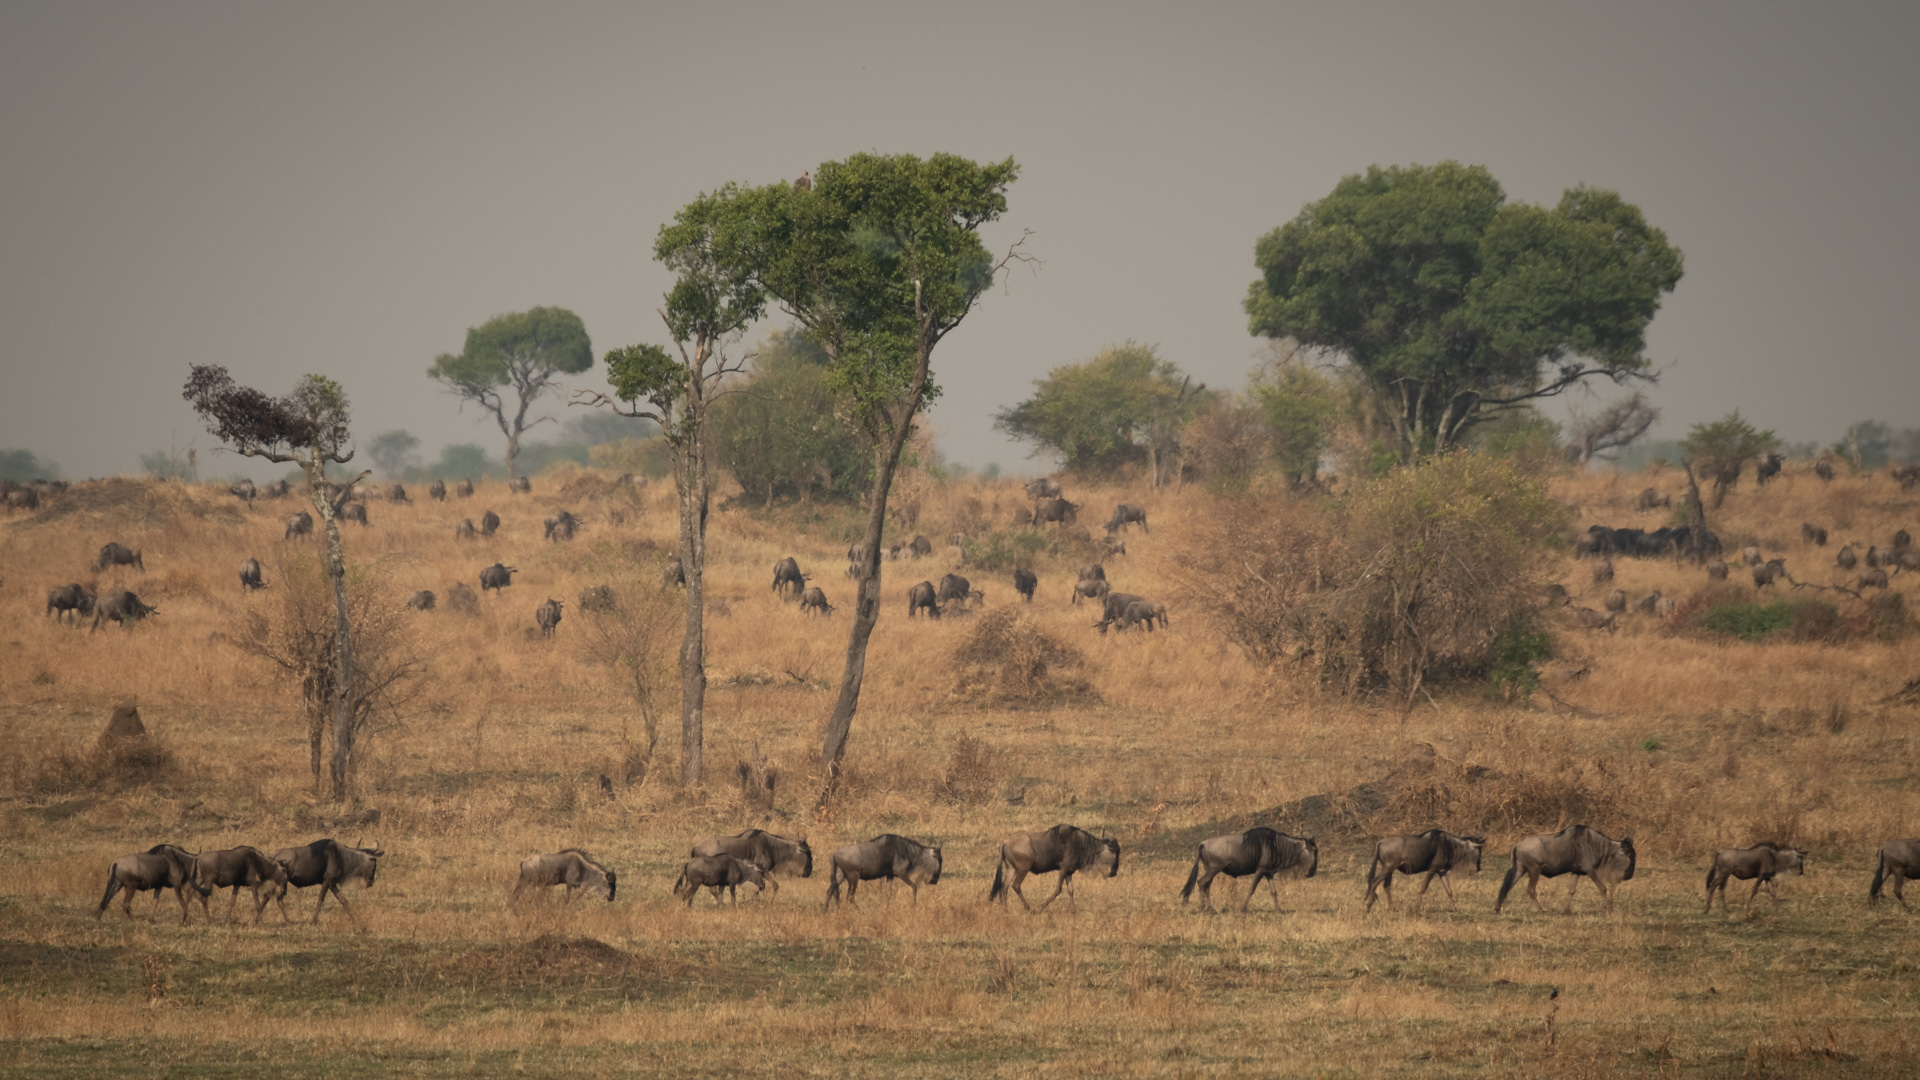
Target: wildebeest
[465, 530]
[1260, 851]
[1717, 570]
[1648, 604]
[73, 597]
[250, 575]
[300, 524]
[243, 490]
[1113, 545]
[814, 600]
[489, 523]
[921, 547]
[1113, 606]
[460, 598]
[1058, 511]
[464, 489]
[421, 601]
[787, 578]
[437, 491]
[1902, 539]
[1043, 488]
[1091, 572]
[598, 598]
[1435, 853]
[161, 867]
[721, 873]
[354, 512]
[1143, 612]
[1751, 555]
[1769, 573]
[561, 525]
[922, 596]
[1575, 850]
[1846, 560]
[1653, 499]
[1594, 620]
[279, 489]
[1760, 864]
[953, 587]
[114, 554]
[398, 493]
[238, 868]
[1823, 468]
[122, 607]
[547, 615]
[327, 863]
[1089, 588]
[1900, 862]
[571, 867]
[497, 577]
[1125, 515]
[1603, 572]
[771, 853]
[1875, 578]
[1616, 601]
[1767, 466]
[520, 484]
[888, 857]
[1024, 582]
[1067, 849]
[1813, 534]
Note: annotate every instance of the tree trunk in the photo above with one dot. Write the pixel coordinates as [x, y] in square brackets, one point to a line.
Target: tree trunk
[343, 723]
[693, 562]
[1696, 516]
[513, 451]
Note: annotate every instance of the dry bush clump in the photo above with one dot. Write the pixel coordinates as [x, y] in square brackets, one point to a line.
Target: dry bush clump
[126, 755]
[1008, 657]
[972, 771]
[636, 636]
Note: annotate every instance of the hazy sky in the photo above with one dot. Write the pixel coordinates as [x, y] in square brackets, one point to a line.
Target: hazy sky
[345, 188]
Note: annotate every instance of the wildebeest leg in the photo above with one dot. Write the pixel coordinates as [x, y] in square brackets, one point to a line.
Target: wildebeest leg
[334, 888]
[1420, 898]
[1254, 891]
[234, 899]
[1533, 885]
[1899, 880]
[180, 894]
[1757, 882]
[1057, 886]
[1573, 888]
[1206, 888]
[1020, 875]
[1446, 883]
[1383, 883]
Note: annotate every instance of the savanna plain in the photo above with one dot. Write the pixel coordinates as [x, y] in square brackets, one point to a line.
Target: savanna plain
[1685, 739]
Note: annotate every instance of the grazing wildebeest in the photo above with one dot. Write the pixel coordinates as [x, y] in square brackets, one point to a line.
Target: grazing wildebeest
[1653, 499]
[1812, 534]
[1617, 601]
[674, 573]
[464, 489]
[1058, 511]
[1665, 606]
[1899, 861]
[327, 863]
[953, 587]
[1024, 582]
[921, 547]
[570, 867]
[489, 523]
[787, 578]
[122, 607]
[465, 530]
[1113, 545]
[1089, 588]
[437, 491]
[161, 867]
[889, 857]
[421, 601]
[243, 490]
[114, 554]
[721, 873]
[398, 493]
[1575, 850]
[250, 575]
[1767, 467]
[74, 598]
[300, 524]
[1717, 570]
[547, 615]
[238, 868]
[1143, 612]
[1875, 578]
[355, 512]
[770, 853]
[1067, 849]
[1435, 853]
[561, 525]
[1648, 604]
[520, 484]
[922, 596]
[1125, 515]
[497, 577]
[1760, 864]
[1043, 488]
[1603, 573]
[1594, 620]
[814, 600]
[1091, 572]
[1769, 573]
[1259, 851]
[598, 598]
[1846, 560]
[1114, 605]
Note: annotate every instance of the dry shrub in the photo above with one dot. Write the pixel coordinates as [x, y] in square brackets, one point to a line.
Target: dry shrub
[108, 765]
[972, 770]
[637, 637]
[1531, 786]
[1008, 658]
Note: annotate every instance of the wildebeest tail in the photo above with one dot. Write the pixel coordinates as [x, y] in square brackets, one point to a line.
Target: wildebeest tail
[1373, 871]
[1879, 878]
[1506, 883]
[999, 880]
[678, 883]
[113, 886]
[1193, 876]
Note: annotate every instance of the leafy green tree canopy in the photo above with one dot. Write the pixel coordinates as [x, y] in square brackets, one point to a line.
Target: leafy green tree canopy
[1454, 303]
[1102, 414]
[780, 433]
[23, 465]
[522, 352]
[395, 452]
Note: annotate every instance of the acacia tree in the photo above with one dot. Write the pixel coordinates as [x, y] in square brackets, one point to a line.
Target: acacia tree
[307, 428]
[525, 351]
[1456, 305]
[1124, 405]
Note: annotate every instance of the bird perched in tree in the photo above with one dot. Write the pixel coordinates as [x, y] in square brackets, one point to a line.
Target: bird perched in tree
[805, 183]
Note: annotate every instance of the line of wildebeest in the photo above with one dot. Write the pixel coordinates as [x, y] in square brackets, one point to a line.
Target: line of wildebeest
[755, 857]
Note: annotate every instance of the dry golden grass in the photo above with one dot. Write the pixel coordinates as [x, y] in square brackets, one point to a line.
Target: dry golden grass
[1686, 742]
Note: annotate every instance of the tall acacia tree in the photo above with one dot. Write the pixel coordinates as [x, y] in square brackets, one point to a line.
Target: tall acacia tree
[308, 428]
[1456, 305]
[710, 304]
[525, 352]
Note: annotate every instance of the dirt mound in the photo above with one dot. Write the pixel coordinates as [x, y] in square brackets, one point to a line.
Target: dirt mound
[124, 724]
[552, 947]
[127, 501]
[1007, 657]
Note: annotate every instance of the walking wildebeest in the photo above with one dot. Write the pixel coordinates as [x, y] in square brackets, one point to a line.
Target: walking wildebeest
[953, 587]
[489, 523]
[815, 600]
[889, 857]
[1653, 499]
[243, 490]
[787, 577]
[1024, 582]
[1259, 851]
[921, 547]
[571, 867]
[1143, 612]
[250, 575]
[353, 511]
[772, 854]
[1760, 864]
[74, 598]
[1435, 853]
[398, 493]
[23, 499]
[114, 554]
[1043, 488]
[547, 615]
[161, 867]
[122, 607]
[465, 530]
[1058, 511]
[237, 868]
[421, 601]
[561, 525]
[1575, 850]
[721, 873]
[1900, 861]
[300, 524]
[1875, 578]
[327, 863]
[1067, 849]
[497, 577]
[464, 489]
[520, 484]
[1125, 515]
[437, 491]
[1812, 534]
[922, 596]
[1114, 605]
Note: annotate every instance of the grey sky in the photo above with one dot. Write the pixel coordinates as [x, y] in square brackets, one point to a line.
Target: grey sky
[347, 187]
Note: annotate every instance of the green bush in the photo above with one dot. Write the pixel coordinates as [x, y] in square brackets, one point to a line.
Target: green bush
[1009, 550]
[1519, 646]
[1755, 622]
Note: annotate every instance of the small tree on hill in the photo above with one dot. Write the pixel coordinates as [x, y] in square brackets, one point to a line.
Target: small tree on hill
[1125, 405]
[394, 452]
[525, 351]
[1721, 448]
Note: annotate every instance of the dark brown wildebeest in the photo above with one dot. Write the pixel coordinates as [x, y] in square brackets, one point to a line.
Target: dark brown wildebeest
[1648, 604]
[1043, 488]
[1846, 559]
[1823, 468]
[122, 607]
[1259, 851]
[787, 578]
[561, 525]
[921, 547]
[953, 587]
[244, 491]
[888, 857]
[1067, 849]
[721, 873]
[1876, 556]
[673, 573]
[161, 867]
[460, 598]
[1091, 572]
[571, 867]
[1653, 499]
[279, 489]
[1089, 588]
[23, 499]
[1113, 606]
[1769, 573]
[300, 524]
[250, 575]
[465, 530]
[1760, 864]
[74, 598]
[770, 853]
[437, 491]
[1024, 582]
[547, 615]
[1055, 511]
[1814, 535]
[1113, 545]
[598, 598]
[327, 863]
[1902, 539]
[114, 554]
[421, 601]
[1899, 862]
[1766, 467]
[814, 601]
[1143, 612]
[355, 512]
[1435, 853]
[1594, 620]
[464, 489]
[1125, 515]
[1616, 601]
[398, 493]
[1575, 850]
[922, 596]
[489, 523]
[1717, 570]
[497, 577]
[521, 485]
[1875, 578]
[1905, 475]
[238, 868]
